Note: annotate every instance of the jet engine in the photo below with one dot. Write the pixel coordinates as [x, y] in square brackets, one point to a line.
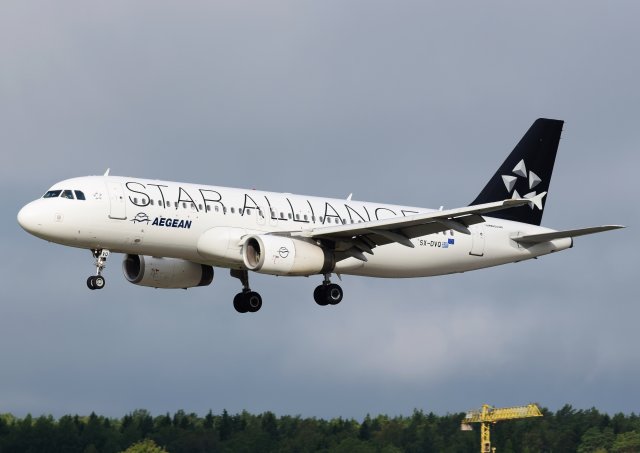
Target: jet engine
[279, 255]
[165, 272]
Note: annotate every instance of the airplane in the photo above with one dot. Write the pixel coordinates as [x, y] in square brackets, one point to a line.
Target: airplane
[173, 234]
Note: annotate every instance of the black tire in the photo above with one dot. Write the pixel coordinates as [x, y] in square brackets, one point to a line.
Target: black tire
[98, 282]
[253, 301]
[333, 294]
[90, 283]
[320, 295]
[239, 303]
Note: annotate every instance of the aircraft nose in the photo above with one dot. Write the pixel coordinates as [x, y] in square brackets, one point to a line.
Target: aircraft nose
[28, 218]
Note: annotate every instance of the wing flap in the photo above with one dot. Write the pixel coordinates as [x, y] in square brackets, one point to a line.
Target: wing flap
[402, 229]
[545, 237]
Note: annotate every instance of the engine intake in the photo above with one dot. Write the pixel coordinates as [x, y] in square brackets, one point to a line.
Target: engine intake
[165, 272]
[279, 255]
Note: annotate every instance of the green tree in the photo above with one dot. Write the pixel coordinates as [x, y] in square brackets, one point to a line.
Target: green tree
[225, 426]
[628, 442]
[269, 424]
[145, 446]
[365, 429]
[208, 420]
[594, 439]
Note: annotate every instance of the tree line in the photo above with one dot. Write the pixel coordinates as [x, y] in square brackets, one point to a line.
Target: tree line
[567, 430]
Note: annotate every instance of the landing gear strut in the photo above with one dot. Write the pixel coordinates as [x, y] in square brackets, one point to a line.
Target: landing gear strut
[247, 300]
[328, 293]
[97, 281]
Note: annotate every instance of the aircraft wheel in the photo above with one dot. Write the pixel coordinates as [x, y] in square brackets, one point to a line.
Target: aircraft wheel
[239, 303]
[253, 301]
[320, 295]
[98, 282]
[333, 294]
[90, 283]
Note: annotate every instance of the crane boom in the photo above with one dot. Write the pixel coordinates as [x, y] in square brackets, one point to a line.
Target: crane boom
[489, 415]
[495, 414]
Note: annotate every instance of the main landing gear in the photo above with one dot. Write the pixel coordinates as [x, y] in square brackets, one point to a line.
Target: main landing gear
[247, 300]
[97, 281]
[250, 301]
[328, 293]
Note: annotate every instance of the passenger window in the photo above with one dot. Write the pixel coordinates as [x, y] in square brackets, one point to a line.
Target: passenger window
[289, 215]
[176, 204]
[321, 219]
[224, 210]
[184, 205]
[67, 194]
[200, 207]
[305, 217]
[80, 195]
[217, 208]
[151, 202]
[233, 210]
[240, 211]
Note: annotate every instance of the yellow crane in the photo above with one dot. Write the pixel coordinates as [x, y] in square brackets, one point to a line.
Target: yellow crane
[489, 415]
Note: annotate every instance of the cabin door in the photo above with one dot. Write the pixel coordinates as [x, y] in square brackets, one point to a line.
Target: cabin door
[118, 208]
[477, 240]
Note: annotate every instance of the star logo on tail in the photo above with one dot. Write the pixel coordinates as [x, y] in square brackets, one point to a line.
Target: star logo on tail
[530, 179]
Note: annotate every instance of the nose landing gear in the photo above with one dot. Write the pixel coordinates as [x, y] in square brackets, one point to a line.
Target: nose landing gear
[97, 281]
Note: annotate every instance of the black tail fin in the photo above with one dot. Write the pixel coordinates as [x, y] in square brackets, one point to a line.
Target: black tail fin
[526, 172]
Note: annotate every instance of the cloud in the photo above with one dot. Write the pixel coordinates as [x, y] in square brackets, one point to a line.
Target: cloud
[411, 103]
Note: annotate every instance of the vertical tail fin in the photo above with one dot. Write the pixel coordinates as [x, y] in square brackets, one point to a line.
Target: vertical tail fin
[526, 172]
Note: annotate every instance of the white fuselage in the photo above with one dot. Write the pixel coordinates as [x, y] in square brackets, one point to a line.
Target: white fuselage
[167, 219]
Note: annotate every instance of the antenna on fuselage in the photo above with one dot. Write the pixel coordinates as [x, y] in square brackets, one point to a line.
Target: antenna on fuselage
[106, 173]
[349, 197]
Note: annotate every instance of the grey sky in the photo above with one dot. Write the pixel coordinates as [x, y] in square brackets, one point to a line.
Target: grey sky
[402, 102]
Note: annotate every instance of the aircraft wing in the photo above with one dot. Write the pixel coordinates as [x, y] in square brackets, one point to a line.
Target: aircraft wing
[544, 237]
[353, 239]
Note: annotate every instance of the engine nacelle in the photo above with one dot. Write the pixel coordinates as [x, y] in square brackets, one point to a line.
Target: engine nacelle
[165, 272]
[222, 245]
[279, 255]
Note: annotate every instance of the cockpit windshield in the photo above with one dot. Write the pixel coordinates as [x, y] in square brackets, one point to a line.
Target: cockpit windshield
[52, 194]
[79, 195]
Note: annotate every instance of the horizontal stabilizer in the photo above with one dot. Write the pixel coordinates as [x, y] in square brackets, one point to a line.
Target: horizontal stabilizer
[545, 237]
